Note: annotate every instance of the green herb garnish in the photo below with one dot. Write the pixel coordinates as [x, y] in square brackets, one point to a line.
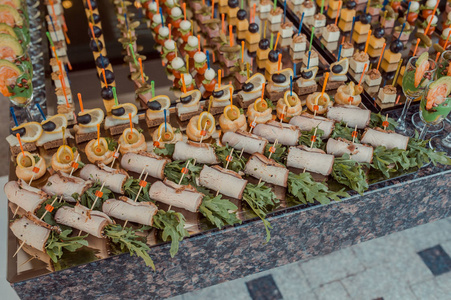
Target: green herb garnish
[131, 188]
[173, 172]
[237, 164]
[280, 155]
[343, 131]
[350, 173]
[388, 161]
[377, 119]
[173, 226]
[59, 241]
[420, 154]
[168, 150]
[88, 198]
[305, 138]
[49, 216]
[216, 210]
[112, 143]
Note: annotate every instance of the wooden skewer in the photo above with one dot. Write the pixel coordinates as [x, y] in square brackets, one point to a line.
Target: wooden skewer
[313, 138]
[46, 211]
[116, 154]
[202, 137]
[95, 201]
[269, 156]
[137, 195]
[18, 249]
[354, 136]
[73, 169]
[27, 261]
[227, 164]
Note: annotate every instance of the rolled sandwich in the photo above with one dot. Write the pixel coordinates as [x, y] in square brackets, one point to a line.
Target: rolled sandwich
[285, 134]
[270, 171]
[307, 122]
[127, 209]
[389, 139]
[311, 159]
[351, 115]
[182, 196]
[358, 152]
[152, 164]
[84, 219]
[62, 184]
[32, 231]
[202, 152]
[240, 140]
[114, 179]
[24, 196]
[227, 182]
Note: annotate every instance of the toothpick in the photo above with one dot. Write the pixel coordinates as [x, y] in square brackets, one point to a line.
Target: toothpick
[46, 211]
[227, 164]
[354, 135]
[313, 139]
[73, 169]
[116, 154]
[137, 195]
[202, 137]
[269, 157]
[18, 249]
[183, 174]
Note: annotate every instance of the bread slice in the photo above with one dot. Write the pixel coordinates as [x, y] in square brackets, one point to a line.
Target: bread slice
[187, 116]
[118, 129]
[84, 137]
[154, 122]
[331, 85]
[53, 144]
[26, 147]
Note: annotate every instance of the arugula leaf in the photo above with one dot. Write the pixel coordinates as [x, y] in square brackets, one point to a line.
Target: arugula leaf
[305, 137]
[128, 240]
[280, 155]
[173, 226]
[168, 150]
[350, 173]
[307, 190]
[343, 131]
[377, 119]
[131, 189]
[270, 104]
[420, 154]
[237, 164]
[49, 216]
[260, 198]
[173, 172]
[59, 241]
[112, 143]
[88, 198]
[389, 161]
[216, 210]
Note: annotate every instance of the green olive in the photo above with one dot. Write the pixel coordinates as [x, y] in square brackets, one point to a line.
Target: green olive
[292, 100]
[262, 106]
[65, 157]
[233, 114]
[131, 138]
[167, 136]
[322, 101]
[26, 161]
[206, 123]
[99, 150]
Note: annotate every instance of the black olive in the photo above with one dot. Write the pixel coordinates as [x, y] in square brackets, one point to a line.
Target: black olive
[247, 87]
[109, 77]
[307, 74]
[253, 28]
[96, 18]
[273, 56]
[107, 93]
[233, 3]
[21, 131]
[96, 45]
[396, 46]
[84, 119]
[218, 94]
[374, 60]
[49, 126]
[241, 14]
[337, 69]
[361, 46]
[154, 105]
[389, 75]
[351, 4]
[186, 99]
[365, 18]
[93, 4]
[102, 62]
[278, 78]
[263, 44]
[120, 111]
[97, 32]
[379, 32]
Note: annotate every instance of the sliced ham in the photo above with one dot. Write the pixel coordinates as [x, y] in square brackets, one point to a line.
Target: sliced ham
[32, 231]
[240, 140]
[61, 184]
[307, 122]
[203, 153]
[227, 182]
[127, 209]
[81, 218]
[358, 152]
[285, 134]
[25, 196]
[114, 179]
[170, 193]
[259, 166]
[40, 255]
[151, 164]
[379, 137]
[351, 115]
[310, 159]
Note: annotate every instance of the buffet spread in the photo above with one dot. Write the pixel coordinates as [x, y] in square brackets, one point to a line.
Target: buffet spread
[272, 107]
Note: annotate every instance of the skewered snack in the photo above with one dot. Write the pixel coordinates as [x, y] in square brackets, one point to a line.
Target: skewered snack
[349, 94]
[201, 127]
[113, 179]
[338, 71]
[285, 134]
[221, 98]
[306, 83]
[128, 210]
[298, 46]
[279, 84]
[252, 90]
[358, 152]
[310, 159]
[203, 153]
[242, 140]
[30, 166]
[288, 107]
[389, 139]
[151, 164]
[52, 135]
[61, 184]
[132, 140]
[166, 134]
[189, 105]
[260, 112]
[352, 115]
[99, 150]
[170, 193]
[156, 110]
[25, 196]
[322, 101]
[119, 119]
[232, 119]
[63, 159]
[227, 182]
[314, 59]
[270, 171]
[307, 122]
[87, 120]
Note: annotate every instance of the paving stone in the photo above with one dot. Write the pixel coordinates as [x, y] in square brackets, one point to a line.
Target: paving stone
[226, 290]
[264, 288]
[292, 282]
[411, 268]
[332, 291]
[429, 290]
[331, 267]
[444, 282]
[429, 235]
[436, 259]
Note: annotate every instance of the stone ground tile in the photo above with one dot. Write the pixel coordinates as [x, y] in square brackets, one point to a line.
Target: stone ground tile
[227, 290]
[382, 250]
[447, 246]
[429, 290]
[429, 235]
[373, 283]
[264, 288]
[292, 282]
[411, 268]
[436, 259]
[331, 267]
[332, 291]
[444, 282]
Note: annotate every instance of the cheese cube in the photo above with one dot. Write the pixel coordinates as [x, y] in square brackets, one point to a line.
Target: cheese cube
[344, 26]
[361, 28]
[358, 66]
[313, 60]
[330, 36]
[386, 98]
[347, 15]
[391, 57]
[387, 67]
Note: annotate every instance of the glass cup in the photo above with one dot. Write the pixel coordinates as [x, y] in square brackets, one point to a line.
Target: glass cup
[413, 92]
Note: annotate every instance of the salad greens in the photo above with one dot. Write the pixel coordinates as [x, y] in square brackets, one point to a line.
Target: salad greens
[172, 225]
[350, 173]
